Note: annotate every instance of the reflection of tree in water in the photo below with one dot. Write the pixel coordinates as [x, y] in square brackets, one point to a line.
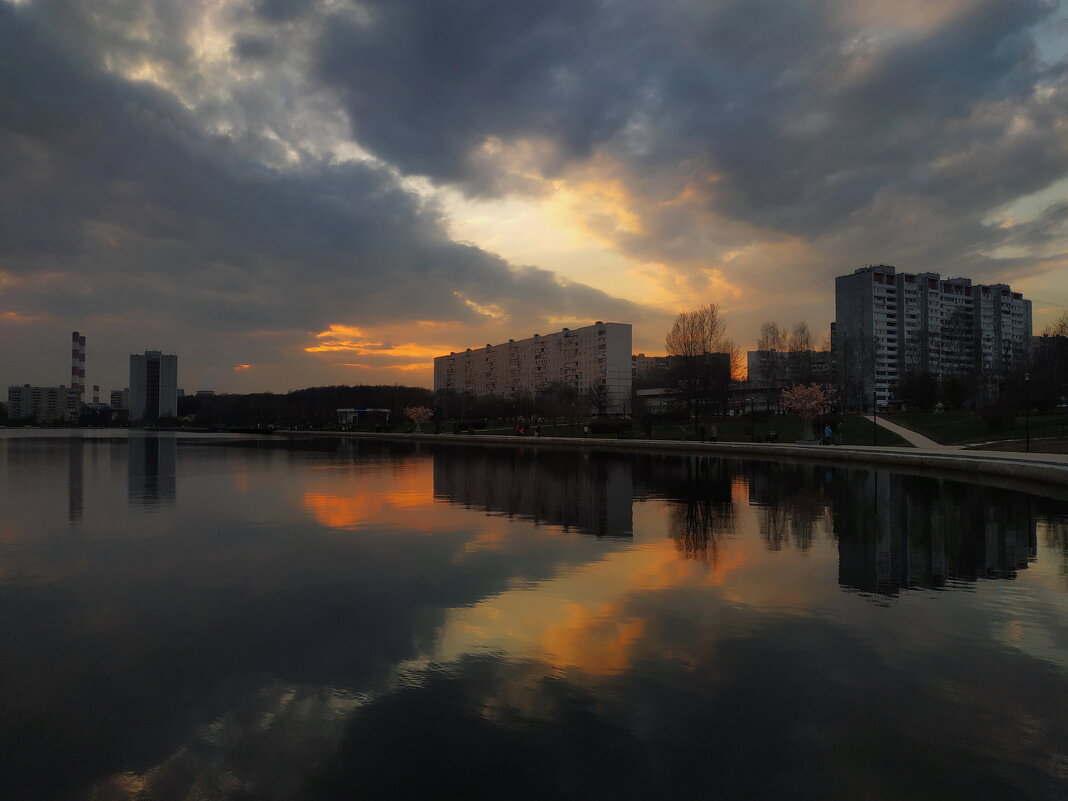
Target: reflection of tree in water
[791, 499]
[702, 512]
[699, 527]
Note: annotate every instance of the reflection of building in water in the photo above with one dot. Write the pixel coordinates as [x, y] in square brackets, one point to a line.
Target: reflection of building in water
[896, 532]
[75, 482]
[152, 467]
[588, 493]
[792, 501]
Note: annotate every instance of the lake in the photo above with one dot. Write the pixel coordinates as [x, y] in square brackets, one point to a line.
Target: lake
[196, 617]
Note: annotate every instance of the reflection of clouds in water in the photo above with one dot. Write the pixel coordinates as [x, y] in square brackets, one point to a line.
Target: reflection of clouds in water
[506, 643]
[584, 619]
[262, 747]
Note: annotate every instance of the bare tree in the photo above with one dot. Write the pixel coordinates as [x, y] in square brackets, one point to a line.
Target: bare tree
[855, 360]
[1058, 328]
[800, 357]
[800, 338]
[599, 397]
[771, 338]
[697, 332]
[1049, 364]
[737, 359]
[693, 338]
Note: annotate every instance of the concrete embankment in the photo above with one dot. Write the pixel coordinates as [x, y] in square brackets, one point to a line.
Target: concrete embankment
[1027, 469]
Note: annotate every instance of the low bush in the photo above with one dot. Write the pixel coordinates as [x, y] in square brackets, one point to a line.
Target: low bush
[999, 417]
[610, 426]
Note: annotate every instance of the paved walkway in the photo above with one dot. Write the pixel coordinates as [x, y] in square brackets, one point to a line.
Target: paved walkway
[911, 437]
[927, 445]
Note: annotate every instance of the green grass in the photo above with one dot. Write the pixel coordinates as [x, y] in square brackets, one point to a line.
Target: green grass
[962, 428]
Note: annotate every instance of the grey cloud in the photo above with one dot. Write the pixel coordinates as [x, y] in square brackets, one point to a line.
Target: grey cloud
[253, 47]
[117, 182]
[223, 201]
[426, 83]
[283, 10]
[806, 120]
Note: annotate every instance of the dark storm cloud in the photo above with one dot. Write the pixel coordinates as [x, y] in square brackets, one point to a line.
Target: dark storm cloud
[745, 136]
[426, 83]
[118, 184]
[804, 119]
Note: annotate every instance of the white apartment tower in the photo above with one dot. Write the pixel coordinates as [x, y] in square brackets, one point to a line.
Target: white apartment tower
[889, 323]
[77, 365]
[153, 386]
[594, 360]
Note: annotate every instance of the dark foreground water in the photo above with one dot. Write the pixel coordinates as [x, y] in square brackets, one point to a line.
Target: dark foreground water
[182, 619]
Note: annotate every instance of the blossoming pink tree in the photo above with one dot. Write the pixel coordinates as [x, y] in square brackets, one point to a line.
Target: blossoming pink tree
[418, 415]
[809, 402]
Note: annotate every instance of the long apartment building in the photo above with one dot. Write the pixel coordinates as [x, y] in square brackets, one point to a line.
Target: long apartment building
[594, 360]
[42, 404]
[889, 323]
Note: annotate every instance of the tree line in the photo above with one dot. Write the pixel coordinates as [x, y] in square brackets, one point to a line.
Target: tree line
[314, 407]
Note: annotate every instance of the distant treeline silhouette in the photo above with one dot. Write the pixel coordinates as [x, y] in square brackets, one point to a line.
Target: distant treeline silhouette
[314, 407]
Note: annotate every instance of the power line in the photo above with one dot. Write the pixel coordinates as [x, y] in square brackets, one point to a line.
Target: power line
[1047, 219]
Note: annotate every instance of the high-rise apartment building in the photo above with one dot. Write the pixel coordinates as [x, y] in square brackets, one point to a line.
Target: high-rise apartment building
[594, 360]
[153, 386]
[42, 404]
[889, 324]
[77, 365]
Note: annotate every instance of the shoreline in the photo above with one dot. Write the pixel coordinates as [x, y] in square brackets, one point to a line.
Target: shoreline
[1047, 469]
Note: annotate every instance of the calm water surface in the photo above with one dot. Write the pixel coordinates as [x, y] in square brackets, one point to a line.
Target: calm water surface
[184, 618]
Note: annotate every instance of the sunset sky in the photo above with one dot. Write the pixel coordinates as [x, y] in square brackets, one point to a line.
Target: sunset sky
[289, 193]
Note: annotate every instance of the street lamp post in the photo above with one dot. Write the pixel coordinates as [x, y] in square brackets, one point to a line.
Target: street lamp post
[1027, 410]
[874, 418]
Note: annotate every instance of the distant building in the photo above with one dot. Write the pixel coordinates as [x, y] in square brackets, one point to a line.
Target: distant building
[77, 365]
[888, 324]
[649, 370]
[771, 371]
[120, 398]
[153, 386]
[42, 404]
[594, 360]
[777, 368]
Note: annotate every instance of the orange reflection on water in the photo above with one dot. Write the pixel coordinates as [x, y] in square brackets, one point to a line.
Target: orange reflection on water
[379, 501]
[598, 641]
[580, 619]
[489, 540]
